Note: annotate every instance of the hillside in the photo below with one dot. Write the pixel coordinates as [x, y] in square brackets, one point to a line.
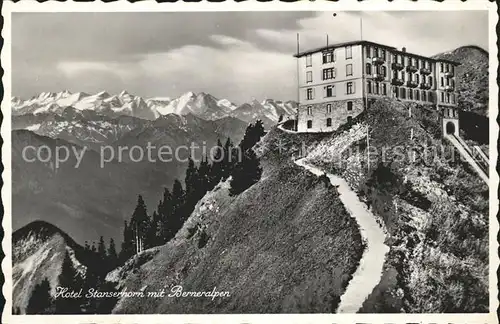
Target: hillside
[38, 251]
[472, 77]
[434, 207]
[284, 245]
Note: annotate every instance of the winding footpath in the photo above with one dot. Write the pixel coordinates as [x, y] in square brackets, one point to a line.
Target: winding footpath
[369, 271]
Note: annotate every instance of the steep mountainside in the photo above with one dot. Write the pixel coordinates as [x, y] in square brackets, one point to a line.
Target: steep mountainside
[38, 251]
[472, 77]
[432, 204]
[286, 244]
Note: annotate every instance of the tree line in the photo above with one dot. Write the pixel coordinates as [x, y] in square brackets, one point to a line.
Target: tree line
[240, 162]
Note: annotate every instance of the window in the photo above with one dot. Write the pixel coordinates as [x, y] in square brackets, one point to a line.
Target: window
[452, 98]
[394, 58]
[368, 68]
[453, 83]
[410, 94]
[349, 88]
[430, 97]
[309, 124]
[442, 96]
[383, 54]
[384, 71]
[424, 95]
[407, 60]
[417, 78]
[402, 76]
[376, 88]
[368, 52]
[349, 106]
[348, 69]
[430, 67]
[328, 122]
[329, 74]
[396, 92]
[442, 81]
[403, 93]
[369, 86]
[417, 63]
[328, 57]
[349, 119]
[309, 110]
[394, 74]
[448, 98]
[309, 76]
[308, 60]
[310, 94]
[348, 52]
[430, 81]
[330, 91]
[384, 89]
[329, 109]
[442, 67]
[417, 95]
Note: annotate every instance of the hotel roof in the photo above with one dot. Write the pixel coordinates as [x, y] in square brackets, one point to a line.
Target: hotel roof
[363, 42]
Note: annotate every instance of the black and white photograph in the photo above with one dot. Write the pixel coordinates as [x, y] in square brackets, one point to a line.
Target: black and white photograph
[326, 161]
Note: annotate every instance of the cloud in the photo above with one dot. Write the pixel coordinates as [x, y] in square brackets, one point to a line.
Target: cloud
[234, 55]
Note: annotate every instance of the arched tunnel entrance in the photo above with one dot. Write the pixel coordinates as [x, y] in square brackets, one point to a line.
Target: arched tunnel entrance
[450, 128]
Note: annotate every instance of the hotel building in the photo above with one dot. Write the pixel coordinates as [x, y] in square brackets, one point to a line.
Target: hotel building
[337, 82]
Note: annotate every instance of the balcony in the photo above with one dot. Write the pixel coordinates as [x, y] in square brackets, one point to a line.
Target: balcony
[411, 68]
[378, 60]
[425, 71]
[397, 66]
[411, 84]
[397, 82]
[378, 77]
[425, 86]
[449, 74]
[449, 88]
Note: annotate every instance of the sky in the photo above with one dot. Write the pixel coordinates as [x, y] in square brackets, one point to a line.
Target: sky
[234, 55]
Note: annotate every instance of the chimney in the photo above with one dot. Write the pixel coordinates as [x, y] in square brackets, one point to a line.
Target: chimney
[403, 50]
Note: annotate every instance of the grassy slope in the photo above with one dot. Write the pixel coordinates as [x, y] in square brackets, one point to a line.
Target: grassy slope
[285, 245]
[436, 213]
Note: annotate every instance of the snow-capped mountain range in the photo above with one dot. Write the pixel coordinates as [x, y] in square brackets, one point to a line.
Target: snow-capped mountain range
[202, 105]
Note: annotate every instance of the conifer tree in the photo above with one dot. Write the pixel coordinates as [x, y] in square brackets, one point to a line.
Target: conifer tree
[217, 162]
[203, 178]
[229, 159]
[139, 224]
[112, 255]
[68, 278]
[165, 213]
[246, 173]
[41, 302]
[191, 178]
[101, 249]
[127, 249]
[178, 201]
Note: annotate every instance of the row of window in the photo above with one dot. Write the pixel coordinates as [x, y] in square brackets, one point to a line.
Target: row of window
[376, 70]
[414, 94]
[447, 82]
[372, 51]
[329, 91]
[329, 108]
[412, 61]
[329, 73]
[376, 88]
[328, 122]
[412, 77]
[330, 56]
